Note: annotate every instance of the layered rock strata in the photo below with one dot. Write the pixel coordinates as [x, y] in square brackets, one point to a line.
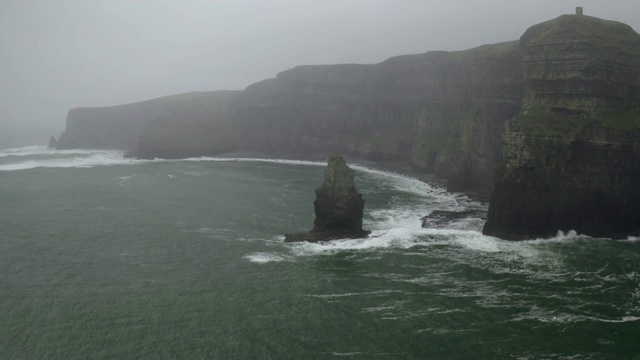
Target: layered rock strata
[338, 207]
[571, 158]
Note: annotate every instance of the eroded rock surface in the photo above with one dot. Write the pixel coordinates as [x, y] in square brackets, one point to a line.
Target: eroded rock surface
[571, 158]
[338, 207]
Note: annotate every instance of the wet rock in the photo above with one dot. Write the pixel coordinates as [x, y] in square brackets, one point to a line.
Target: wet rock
[338, 207]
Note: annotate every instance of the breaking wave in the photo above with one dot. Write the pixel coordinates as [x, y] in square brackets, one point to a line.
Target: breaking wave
[42, 157]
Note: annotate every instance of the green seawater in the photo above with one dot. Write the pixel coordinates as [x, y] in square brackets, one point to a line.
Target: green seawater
[104, 257]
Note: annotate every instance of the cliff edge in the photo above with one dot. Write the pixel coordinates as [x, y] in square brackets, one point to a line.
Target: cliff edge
[571, 158]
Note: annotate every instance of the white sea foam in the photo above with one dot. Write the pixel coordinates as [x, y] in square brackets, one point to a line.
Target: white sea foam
[85, 159]
[632, 239]
[560, 237]
[408, 183]
[402, 182]
[22, 151]
[365, 293]
[41, 150]
[263, 257]
[554, 317]
[123, 179]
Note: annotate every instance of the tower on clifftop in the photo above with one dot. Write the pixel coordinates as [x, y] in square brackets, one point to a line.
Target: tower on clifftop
[579, 10]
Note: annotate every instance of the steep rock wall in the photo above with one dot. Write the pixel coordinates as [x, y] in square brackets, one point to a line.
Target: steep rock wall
[121, 126]
[571, 158]
[439, 112]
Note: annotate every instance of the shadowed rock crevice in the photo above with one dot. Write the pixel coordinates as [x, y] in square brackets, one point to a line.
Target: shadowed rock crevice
[338, 207]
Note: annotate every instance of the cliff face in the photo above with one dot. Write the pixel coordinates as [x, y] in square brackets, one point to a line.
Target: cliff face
[197, 126]
[571, 158]
[440, 112]
[121, 127]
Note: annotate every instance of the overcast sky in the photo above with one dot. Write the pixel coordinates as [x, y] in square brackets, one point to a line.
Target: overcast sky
[61, 54]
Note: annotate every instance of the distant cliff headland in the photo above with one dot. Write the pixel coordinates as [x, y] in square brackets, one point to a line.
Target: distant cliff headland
[550, 124]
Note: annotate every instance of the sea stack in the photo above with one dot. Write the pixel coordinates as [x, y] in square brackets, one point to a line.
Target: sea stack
[52, 143]
[338, 206]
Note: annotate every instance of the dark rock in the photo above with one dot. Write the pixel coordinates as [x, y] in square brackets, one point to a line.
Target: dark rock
[52, 142]
[571, 157]
[444, 219]
[338, 207]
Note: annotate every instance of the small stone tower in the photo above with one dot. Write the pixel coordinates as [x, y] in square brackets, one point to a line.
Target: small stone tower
[579, 11]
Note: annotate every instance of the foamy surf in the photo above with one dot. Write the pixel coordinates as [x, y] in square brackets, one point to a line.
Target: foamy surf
[264, 257]
[63, 159]
[403, 182]
[554, 317]
[43, 150]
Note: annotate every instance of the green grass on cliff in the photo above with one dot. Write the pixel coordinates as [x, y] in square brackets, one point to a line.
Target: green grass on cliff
[600, 32]
[541, 121]
[194, 123]
[195, 138]
[627, 119]
[432, 141]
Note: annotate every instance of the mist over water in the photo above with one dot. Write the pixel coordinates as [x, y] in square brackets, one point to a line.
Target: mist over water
[102, 256]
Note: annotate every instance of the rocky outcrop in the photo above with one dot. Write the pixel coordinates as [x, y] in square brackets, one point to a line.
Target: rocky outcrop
[571, 158]
[52, 142]
[338, 207]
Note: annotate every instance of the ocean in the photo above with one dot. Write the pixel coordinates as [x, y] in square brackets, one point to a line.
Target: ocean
[107, 257]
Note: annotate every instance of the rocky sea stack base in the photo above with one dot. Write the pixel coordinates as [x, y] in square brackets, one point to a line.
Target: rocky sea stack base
[338, 207]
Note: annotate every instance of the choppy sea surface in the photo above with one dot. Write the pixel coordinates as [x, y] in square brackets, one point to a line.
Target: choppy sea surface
[106, 257]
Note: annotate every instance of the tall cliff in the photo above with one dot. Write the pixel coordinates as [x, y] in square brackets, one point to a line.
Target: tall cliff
[571, 158]
[121, 126]
[440, 112]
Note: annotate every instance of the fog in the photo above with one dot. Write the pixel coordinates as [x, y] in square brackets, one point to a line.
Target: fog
[61, 54]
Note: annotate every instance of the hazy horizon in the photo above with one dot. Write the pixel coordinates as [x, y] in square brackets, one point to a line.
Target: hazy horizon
[63, 54]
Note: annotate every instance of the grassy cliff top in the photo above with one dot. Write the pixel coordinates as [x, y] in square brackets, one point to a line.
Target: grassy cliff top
[192, 98]
[599, 32]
